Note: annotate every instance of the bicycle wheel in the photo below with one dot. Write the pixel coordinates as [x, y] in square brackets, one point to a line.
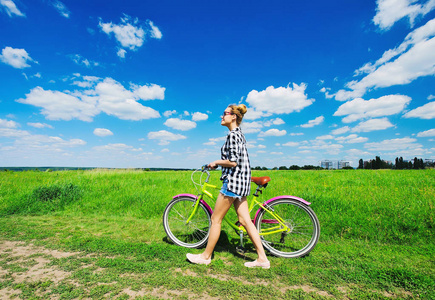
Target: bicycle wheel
[193, 234]
[303, 232]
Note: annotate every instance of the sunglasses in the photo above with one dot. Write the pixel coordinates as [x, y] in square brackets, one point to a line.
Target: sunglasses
[226, 113]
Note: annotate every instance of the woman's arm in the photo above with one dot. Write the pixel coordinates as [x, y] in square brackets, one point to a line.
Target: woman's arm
[223, 163]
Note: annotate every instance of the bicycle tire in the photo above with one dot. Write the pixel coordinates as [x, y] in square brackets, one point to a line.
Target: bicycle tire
[304, 230]
[195, 233]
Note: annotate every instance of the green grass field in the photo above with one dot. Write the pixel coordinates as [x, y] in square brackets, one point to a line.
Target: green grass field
[99, 234]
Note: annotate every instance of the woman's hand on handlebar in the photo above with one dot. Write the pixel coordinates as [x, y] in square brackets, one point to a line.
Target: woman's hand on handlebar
[212, 166]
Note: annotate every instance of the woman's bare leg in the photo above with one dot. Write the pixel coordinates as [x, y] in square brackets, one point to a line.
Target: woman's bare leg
[242, 210]
[223, 204]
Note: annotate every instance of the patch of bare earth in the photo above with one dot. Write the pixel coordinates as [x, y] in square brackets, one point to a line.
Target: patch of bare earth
[223, 277]
[33, 260]
[34, 267]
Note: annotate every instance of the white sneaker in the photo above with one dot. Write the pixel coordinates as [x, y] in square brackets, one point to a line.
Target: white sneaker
[196, 259]
[255, 264]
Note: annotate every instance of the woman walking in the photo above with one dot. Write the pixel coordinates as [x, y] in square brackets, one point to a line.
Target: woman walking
[236, 177]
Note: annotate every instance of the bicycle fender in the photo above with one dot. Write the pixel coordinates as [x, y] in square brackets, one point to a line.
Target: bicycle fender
[194, 197]
[282, 197]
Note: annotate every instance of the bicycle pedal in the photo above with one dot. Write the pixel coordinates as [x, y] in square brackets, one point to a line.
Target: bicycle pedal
[240, 250]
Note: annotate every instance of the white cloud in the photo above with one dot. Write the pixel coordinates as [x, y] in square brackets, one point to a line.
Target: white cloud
[254, 127]
[61, 106]
[315, 122]
[426, 112]
[389, 12]
[102, 132]
[273, 132]
[40, 125]
[8, 124]
[373, 125]
[325, 137]
[275, 153]
[427, 133]
[121, 53]
[165, 137]
[213, 141]
[281, 100]
[17, 58]
[291, 144]
[37, 144]
[61, 8]
[88, 81]
[358, 153]
[130, 34]
[358, 108]
[340, 130]
[114, 99]
[413, 59]
[324, 147]
[155, 32]
[119, 147]
[352, 139]
[179, 124]
[83, 84]
[45, 141]
[394, 145]
[251, 127]
[169, 113]
[277, 121]
[80, 60]
[417, 62]
[420, 34]
[253, 114]
[326, 92]
[9, 132]
[11, 9]
[149, 92]
[199, 116]
[108, 96]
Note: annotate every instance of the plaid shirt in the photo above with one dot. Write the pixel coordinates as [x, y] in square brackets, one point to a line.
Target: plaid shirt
[239, 177]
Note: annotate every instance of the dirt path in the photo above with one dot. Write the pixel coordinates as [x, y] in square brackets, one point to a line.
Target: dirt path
[29, 265]
[26, 266]
[29, 271]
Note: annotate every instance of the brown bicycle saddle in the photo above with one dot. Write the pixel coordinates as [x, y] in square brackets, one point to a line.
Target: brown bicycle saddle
[260, 180]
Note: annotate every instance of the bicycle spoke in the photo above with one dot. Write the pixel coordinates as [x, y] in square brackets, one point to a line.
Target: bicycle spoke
[187, 234]
[297, 238]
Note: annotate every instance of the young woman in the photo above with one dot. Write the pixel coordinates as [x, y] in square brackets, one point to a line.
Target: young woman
[236, 177]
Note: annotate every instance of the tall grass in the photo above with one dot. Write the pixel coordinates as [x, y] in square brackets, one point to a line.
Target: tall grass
[394, 206]
[377, 237]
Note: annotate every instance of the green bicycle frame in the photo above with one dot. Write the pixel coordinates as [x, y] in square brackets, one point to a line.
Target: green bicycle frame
[281, 226]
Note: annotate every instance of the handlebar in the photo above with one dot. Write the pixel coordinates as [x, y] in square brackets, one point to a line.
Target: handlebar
[205, 171]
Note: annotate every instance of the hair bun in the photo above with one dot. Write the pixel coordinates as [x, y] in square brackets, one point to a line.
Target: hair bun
[242, 109]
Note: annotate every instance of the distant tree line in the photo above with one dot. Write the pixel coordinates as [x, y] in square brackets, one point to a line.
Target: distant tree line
[400, 164]
[373, 164]
[415, 164]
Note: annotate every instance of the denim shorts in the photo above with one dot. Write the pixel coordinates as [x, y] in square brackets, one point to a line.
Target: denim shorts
[224, 191]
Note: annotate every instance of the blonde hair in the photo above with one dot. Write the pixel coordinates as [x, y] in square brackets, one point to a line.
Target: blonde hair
[238, 110]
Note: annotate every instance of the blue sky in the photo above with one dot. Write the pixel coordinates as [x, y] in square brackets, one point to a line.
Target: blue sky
[143, 83]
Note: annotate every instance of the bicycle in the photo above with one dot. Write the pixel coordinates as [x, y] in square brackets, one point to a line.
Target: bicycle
[288, 227]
